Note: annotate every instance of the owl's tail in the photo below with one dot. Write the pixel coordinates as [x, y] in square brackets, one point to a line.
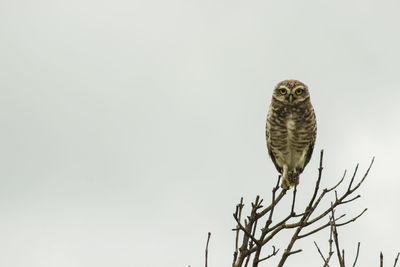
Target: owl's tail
[294, 178]
[289, 178]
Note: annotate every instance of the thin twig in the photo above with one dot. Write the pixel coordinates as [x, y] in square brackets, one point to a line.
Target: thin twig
[322, 255]
[352, 178]
[320, 228]
[336, 239]
[330, 245]
[274, 252]
[343, 257]
[397, 258]
[208, 240]
[358, 251]
[238, 213]
[273, 204]
[350, 200]
[353, 219]
[294, 200]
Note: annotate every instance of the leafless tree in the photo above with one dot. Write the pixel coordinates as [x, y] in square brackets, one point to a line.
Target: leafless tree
[256, 231]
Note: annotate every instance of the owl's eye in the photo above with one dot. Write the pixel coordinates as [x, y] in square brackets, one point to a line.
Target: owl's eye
[283, 91]
[299, 91]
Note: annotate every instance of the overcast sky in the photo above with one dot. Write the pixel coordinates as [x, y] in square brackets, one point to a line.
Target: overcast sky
[130, 129]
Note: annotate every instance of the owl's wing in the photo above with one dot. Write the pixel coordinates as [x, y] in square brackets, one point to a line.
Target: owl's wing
[271, 154]
[309, 153]
[311, 146]
[274, 161]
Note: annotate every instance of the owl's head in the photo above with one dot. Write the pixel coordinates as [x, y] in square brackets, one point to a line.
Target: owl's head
[291, 92]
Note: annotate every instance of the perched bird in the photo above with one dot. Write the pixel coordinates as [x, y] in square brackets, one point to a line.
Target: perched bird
[291, 130]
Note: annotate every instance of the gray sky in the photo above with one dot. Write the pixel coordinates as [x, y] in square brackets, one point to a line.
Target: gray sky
[129, 129]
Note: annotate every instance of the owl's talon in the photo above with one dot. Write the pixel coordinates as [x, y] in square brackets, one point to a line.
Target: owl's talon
[285, 184]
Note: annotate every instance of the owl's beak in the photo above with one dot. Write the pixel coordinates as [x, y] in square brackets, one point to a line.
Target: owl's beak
[290, 98]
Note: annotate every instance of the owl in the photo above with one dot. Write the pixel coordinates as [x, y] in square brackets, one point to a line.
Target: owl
[291, 130]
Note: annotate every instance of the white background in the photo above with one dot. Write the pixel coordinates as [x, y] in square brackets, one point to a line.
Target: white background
[130, 129]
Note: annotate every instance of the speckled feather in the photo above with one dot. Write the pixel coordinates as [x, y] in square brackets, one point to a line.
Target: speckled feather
[291, 131]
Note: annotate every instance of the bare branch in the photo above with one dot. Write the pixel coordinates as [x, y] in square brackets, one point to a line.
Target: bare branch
[294, 252]
[304, 224]
[350, 200]
[245, 230]
[330, 245]
[336, 239]
[353, 219]
[251, 244]
[273, 204]
[365, 176]
[238, 214]
[340, 181]
[320, 228]
[352, 178]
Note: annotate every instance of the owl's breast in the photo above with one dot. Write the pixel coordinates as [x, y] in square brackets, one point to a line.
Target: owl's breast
[292, 153]
[289, 135]
[290, 126]
[295, 142]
